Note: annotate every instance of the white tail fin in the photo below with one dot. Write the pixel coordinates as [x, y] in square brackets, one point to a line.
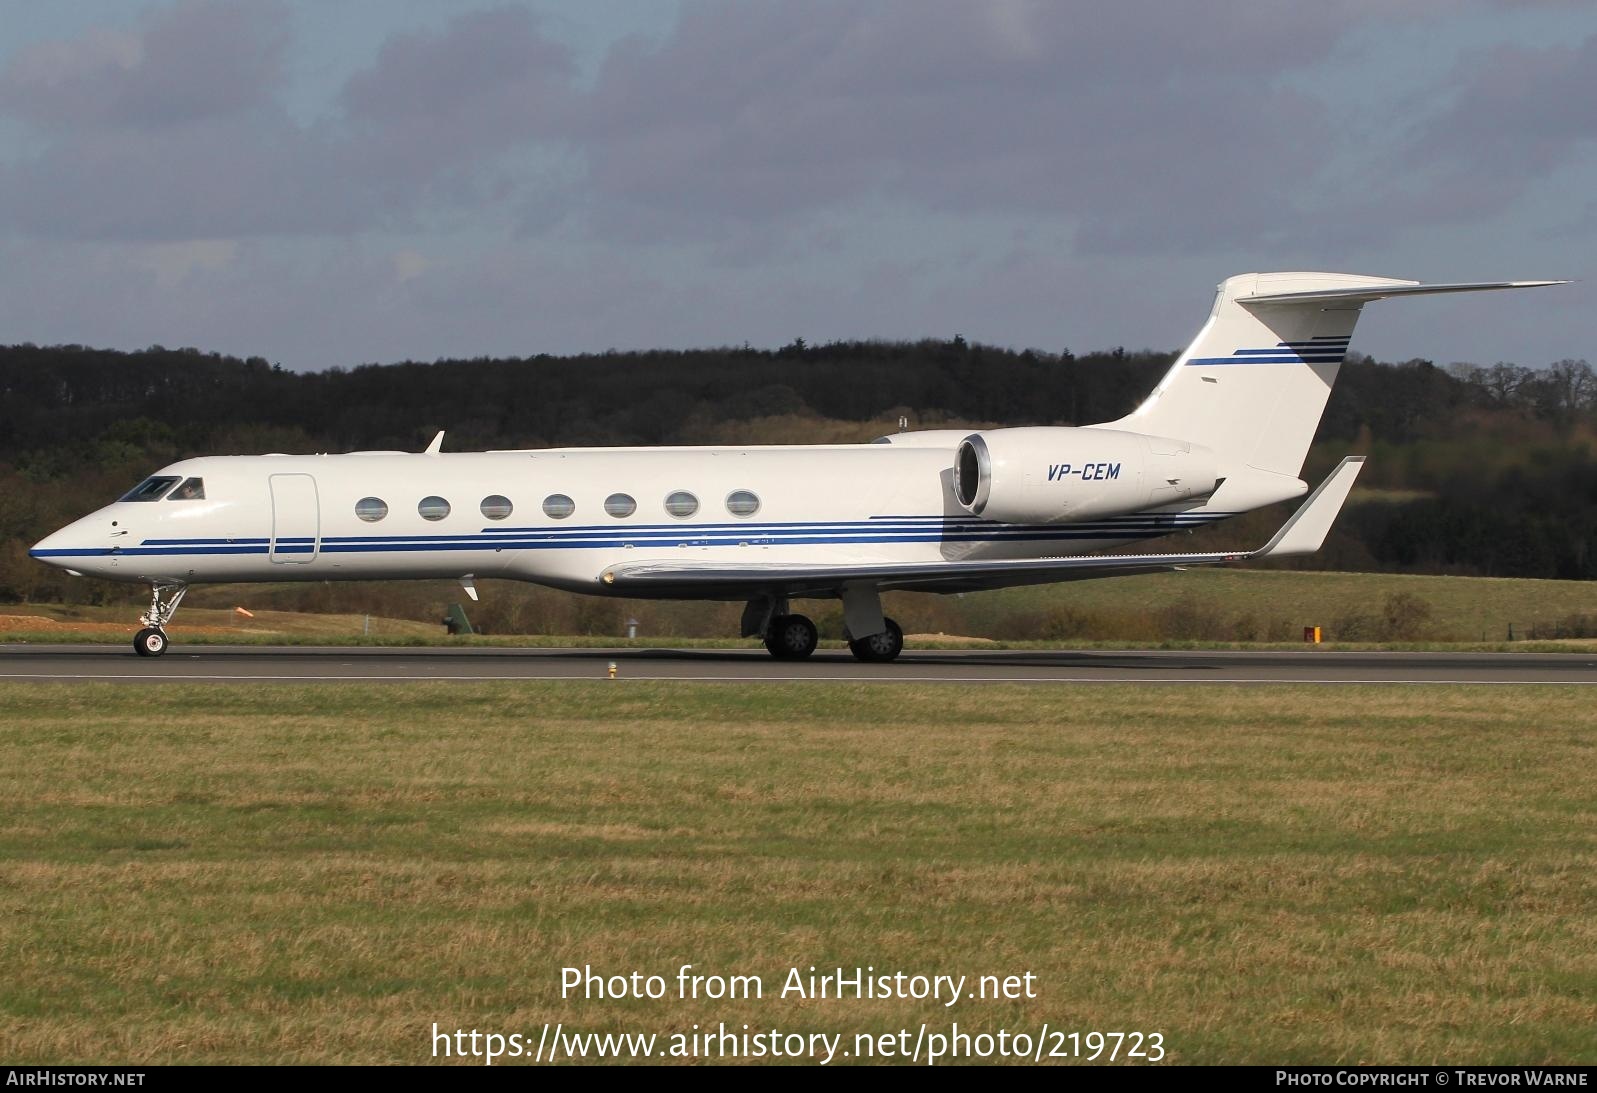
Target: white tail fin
[1254, 382]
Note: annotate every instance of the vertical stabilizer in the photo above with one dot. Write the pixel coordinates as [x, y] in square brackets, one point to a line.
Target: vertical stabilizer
[1252, 385]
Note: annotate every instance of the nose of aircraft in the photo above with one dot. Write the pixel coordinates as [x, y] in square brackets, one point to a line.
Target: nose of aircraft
[73, 548]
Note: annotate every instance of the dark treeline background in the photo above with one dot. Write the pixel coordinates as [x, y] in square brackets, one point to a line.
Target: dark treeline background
[1473, 470]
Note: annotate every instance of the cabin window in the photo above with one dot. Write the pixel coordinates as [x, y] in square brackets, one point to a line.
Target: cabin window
[742, 503]
[497, 507]
[433, 508]
[371, 509]
[191, 490]
[681, 504]
[151, 488]
[557, 506]
[620, 505]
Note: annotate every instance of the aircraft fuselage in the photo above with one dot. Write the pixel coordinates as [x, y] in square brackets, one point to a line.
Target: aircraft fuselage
[505, 514]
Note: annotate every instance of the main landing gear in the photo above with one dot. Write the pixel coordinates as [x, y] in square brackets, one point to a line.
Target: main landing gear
[164, 598]
[791, 637]
[879, 648]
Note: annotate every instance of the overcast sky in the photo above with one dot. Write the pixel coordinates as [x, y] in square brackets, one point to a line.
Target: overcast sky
[327, 182]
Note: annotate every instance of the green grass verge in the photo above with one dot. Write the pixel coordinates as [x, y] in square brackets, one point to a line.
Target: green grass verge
[1461, 609]
[319, 873]
[1213, 608]
[583, 641]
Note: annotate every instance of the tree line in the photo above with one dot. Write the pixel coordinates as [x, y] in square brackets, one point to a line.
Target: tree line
[1474, 469]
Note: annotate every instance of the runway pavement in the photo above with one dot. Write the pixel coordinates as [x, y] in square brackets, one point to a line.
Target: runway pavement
[305, 664]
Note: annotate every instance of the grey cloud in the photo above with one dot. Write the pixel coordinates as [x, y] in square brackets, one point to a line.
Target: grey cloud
[1503, 120]
[719, 183]
[494, 63]
[169, 131]
[210, 179]
[173, 131]
[488, 82]
[1518, 113]
[1144, 121]
[439, 114]
[195, 60]
[1147, 126]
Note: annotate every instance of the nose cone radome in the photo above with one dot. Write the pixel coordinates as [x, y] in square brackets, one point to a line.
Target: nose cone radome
[70, 548]
[50, 547]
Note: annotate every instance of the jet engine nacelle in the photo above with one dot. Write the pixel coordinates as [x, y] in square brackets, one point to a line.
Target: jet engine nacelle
[1063, 475]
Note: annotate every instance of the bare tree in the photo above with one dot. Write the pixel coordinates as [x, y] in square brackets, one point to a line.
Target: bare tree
[1568, 389]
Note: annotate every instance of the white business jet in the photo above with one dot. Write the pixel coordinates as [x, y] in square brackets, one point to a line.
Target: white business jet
[1224, 432]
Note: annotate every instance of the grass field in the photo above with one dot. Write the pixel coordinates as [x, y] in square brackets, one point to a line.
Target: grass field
[1462, 609]
[118, 623]
[1203, 606]
[318, 873]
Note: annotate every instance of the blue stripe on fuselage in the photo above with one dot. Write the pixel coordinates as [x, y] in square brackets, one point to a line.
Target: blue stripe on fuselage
[881, 529]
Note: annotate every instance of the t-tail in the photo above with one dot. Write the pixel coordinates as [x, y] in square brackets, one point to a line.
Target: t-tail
[1253, 384]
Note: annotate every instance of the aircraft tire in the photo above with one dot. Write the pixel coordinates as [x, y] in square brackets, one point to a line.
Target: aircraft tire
[149, 642]
[879, 648]
[791, 637]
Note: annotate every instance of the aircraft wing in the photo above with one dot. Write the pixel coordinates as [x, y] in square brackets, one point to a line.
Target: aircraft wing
[1303, 533]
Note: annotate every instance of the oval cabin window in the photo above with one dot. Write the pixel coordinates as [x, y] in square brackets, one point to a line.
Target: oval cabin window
[497, 507]
[681, 504]
[557, 506]
[371, 509]
[742, 503]
[433, 508]
[620, 505]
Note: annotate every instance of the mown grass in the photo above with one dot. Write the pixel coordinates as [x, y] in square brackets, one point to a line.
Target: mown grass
[1201, 607]
[316, 874]
[118, 623]
[1257, 602]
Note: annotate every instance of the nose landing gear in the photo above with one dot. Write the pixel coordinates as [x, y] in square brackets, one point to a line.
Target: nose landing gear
[164, 598]
[149, 642]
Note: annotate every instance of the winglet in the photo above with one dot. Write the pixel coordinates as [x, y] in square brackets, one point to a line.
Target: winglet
[1305, 532]
[437, 445]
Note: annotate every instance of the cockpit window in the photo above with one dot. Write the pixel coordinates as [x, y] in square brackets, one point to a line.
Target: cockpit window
[191, 490]
[151, 488]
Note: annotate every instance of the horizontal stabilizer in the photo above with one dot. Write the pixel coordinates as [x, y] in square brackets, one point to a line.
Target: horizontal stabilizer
[1364, 294]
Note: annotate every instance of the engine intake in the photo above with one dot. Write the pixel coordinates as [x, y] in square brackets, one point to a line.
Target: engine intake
[973, 473]
[1064, 475]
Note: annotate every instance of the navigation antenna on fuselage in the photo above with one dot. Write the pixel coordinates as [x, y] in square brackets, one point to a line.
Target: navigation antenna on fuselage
[437, 445]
